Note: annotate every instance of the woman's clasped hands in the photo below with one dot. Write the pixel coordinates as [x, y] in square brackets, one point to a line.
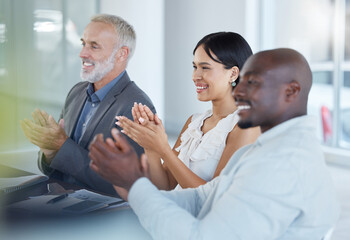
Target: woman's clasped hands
[146, 129]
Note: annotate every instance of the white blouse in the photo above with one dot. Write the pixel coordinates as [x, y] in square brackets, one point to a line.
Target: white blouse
[202, 153]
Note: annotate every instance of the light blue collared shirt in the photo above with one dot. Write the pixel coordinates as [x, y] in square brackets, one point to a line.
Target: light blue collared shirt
[91, 105]
[277, 188]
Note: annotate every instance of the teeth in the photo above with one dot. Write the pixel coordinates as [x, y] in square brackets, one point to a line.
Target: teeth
[242, 107]
[201, 88]
[87, 64]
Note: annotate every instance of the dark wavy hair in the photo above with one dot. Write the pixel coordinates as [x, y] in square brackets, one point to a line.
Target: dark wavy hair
[230, 49]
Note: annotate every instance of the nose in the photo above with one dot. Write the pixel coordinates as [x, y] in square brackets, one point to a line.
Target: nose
[84, 53]
[196, 75]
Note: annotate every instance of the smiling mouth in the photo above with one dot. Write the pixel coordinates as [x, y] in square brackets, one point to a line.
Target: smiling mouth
[87, 64]
[243, 107]
[201, 88]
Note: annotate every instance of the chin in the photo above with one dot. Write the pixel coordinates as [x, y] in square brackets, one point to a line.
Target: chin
[245, 124]
[202, 98]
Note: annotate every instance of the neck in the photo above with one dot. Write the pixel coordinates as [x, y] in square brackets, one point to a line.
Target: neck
[281, 120]
[107, 79]
[223, 108]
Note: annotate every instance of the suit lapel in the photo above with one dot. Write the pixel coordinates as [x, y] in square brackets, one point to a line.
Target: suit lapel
[75, 110]
[103, 108]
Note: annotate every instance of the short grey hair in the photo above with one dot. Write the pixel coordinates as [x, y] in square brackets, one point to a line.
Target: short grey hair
[125, 32]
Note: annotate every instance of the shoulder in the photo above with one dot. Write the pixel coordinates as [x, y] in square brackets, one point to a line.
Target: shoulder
[189, 120]
[185, 127]
[248, 135]
[126, 92]
[78, 87]
[132, 92]
[76, 90]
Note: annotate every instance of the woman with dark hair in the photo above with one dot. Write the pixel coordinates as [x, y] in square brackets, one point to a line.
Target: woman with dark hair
[207, 140]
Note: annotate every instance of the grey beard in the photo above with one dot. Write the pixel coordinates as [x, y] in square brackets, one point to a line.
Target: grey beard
[101, 69]
[97, 75]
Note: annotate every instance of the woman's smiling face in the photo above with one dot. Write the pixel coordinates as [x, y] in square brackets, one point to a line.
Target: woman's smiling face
[212, 80]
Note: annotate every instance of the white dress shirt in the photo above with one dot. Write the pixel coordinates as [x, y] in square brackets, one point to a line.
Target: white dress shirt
[277, 188]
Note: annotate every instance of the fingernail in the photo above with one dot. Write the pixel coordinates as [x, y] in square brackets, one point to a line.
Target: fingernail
[117, 123]
[141, 120]
[117, 117]
[115, 131]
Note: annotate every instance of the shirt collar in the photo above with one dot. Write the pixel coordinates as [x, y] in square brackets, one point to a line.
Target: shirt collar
[101, 93]
[305, 121]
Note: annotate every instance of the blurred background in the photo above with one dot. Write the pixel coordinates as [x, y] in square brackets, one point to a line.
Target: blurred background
[40, 45]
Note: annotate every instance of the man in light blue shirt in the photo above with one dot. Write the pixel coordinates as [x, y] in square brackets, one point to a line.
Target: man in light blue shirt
[276, 188]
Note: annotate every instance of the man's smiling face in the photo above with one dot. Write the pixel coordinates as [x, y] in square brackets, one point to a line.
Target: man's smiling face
[260, 95]
[98, 51]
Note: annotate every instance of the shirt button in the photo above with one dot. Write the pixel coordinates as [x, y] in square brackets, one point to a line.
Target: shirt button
[84, 124]
[93, 105]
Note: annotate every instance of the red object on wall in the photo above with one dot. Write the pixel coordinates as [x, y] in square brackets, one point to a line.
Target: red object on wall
[326, 124]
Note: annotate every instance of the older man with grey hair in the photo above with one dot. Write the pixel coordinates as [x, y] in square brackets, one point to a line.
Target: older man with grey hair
[90, 108]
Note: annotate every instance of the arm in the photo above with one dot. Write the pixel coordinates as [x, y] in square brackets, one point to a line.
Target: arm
[142, 113]
[65, 155]
[73, 159]
[178, 172]
[117, 162]
[231, 205]
[236, 210]
[236, 139]
[152, 136]
[158, 174]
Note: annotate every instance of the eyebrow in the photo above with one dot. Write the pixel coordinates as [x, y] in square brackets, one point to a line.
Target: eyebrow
[201, 63]
[92, 42]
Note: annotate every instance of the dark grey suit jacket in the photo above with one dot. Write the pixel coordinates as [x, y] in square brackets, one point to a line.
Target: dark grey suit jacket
[72, 159]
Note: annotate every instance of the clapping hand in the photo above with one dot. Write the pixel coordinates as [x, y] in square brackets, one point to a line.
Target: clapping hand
[148, 131]
[44, 132]
[117, 161]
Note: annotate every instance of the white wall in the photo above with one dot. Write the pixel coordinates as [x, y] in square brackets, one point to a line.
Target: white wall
[186, 22]
[167, 32]
[146, 67]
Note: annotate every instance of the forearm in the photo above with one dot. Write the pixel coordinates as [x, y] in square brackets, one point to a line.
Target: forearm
[159, 176]
[72, 159]
[183, 175]
[172, 214]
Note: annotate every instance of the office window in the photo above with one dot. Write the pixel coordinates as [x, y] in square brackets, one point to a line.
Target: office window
[320, 30]
[39, 60]
[347, 33]
[345, 89]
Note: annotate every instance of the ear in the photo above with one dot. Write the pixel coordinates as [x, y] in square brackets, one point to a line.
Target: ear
[234, 73]
[123, 54]
[292, 90]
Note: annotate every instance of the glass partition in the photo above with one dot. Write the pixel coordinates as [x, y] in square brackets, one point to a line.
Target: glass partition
[39, 60]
